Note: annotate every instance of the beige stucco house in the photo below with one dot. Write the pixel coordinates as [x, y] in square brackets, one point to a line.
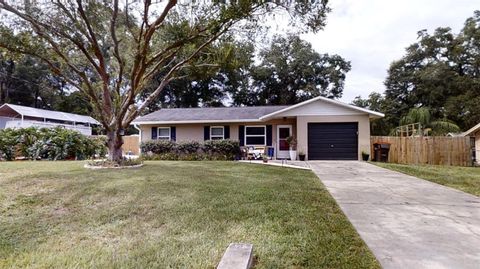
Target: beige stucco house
[474, 132]
[325, 129]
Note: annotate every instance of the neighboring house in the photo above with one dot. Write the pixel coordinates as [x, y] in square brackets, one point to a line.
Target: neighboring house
[474, 132]
[15, 116]
[325, 129]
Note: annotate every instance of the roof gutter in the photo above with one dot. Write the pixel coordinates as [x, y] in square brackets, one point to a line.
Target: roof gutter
[195, 121]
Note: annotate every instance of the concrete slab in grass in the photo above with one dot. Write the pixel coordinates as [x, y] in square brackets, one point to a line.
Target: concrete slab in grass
[237, 256]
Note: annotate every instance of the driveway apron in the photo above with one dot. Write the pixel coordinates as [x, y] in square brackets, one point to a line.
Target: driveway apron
[407, 222]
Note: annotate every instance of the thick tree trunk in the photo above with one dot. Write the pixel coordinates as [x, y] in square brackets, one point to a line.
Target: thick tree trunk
[114, 143]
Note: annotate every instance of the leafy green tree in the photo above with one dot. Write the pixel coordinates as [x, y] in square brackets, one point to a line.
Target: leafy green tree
[208, 87]
[110, 51]
[377, 102]
[27, 81]
[440, 71]
[290, 72]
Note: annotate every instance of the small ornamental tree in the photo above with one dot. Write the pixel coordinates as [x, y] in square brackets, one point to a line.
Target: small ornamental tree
[111, 50]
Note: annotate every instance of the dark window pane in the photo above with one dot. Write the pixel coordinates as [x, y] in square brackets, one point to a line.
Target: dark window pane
[164, 132]
[283, 132]
[255, 130]
[216, 138]
[217, 131]
[255, 140]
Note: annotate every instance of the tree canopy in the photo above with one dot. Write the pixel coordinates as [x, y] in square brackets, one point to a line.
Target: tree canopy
[111, 51]
[439, 72]
[291, 71]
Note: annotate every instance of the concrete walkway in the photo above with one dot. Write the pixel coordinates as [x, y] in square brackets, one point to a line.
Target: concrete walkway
[407, 222]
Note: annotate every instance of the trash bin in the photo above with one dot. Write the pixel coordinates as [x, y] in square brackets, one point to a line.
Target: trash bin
[380, 152]
[270, 152]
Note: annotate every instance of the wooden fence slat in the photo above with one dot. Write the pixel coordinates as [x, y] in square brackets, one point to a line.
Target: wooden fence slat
[436, 150]
[131, 144]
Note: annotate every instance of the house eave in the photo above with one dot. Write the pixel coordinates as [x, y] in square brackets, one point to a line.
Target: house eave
[472, 130]
[372, 114]
[195, 121]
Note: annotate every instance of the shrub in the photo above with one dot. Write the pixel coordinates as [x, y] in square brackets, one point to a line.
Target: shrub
[158, 146]
[9, 139]
[189, 147]
[49, 143]
[222, 147]
[191, 150]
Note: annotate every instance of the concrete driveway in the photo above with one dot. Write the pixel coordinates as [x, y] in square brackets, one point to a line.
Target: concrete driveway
[407, 222]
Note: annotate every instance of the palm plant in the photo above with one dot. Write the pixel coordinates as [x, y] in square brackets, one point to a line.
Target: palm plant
[422, 115]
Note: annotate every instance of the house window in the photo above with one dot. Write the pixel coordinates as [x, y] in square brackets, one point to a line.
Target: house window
[255, 135]
[217, 133]
[163, 133]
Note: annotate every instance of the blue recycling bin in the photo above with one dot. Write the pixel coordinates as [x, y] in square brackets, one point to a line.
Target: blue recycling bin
[270, 152]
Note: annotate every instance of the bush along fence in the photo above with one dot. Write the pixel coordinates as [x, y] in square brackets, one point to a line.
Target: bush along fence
[191, 150]
[49, 143]
[437, 150]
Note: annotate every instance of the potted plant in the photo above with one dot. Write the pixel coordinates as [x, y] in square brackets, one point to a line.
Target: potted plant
[301, 155]
[265, 158]
[292, 143]
[365, 155]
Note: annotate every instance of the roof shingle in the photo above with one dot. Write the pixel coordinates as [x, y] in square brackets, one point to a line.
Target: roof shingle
[208, 114]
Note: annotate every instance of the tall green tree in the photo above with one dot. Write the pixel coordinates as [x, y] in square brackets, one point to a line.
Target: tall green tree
[440, 71]
[27, 81]
[110, 51]
[208, 87]
[377, 102]
[291, 71]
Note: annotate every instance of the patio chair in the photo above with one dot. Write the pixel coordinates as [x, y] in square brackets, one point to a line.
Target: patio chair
[255, 153]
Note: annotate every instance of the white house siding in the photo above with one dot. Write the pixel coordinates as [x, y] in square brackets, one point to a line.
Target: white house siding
[319, 108]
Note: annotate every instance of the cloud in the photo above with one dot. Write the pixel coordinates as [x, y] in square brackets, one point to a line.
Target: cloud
[373, 33]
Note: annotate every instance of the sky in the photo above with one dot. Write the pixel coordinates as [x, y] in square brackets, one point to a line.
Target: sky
[373, 33]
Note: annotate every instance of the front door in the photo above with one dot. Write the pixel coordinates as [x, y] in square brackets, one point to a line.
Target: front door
[283, 131]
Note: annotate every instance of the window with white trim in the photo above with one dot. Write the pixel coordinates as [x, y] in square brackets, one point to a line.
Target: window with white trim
[255, 135]
[217, 132]
[163, 133]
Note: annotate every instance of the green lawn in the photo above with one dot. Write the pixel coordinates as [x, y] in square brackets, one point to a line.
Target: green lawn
[170, 215]
[466, 179]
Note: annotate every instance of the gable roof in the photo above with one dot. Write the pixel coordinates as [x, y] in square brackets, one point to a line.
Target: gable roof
[236, 114]
[372, 114]
[207, 114]
[49, 114]
[472, 130]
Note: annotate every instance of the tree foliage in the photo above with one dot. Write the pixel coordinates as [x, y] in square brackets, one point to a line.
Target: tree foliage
[26, 81]
[442, 72]
[111, 51]
[422, 115]
[290, 71]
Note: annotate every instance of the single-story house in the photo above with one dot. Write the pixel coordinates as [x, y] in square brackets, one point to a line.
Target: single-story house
[474, 132]
[16, 116]
[325, 129]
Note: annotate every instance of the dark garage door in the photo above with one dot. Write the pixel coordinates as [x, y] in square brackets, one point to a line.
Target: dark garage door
[333, 141]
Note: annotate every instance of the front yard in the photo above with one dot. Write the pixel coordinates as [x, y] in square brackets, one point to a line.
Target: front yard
[466, 179]
[170, 215]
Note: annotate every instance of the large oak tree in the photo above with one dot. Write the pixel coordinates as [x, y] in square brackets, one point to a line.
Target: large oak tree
[110, 50]
[291, 71]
